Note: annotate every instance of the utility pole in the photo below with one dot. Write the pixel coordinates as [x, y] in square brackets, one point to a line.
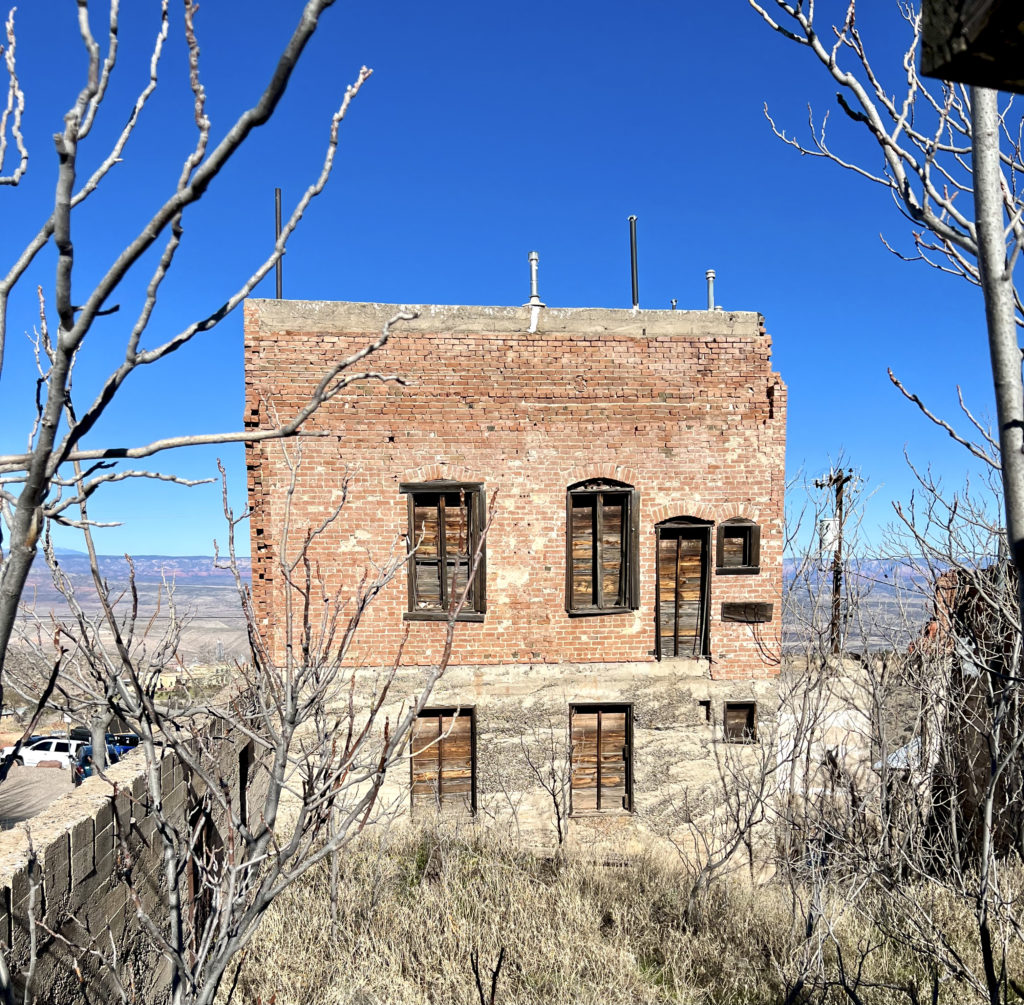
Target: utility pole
[836, 480]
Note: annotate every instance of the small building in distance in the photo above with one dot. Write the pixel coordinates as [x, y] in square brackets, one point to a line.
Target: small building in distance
[624, 619]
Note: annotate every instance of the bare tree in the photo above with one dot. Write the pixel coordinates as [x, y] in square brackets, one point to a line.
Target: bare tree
[902, 791]
[953, 162]
[283, 768]
[38, 486]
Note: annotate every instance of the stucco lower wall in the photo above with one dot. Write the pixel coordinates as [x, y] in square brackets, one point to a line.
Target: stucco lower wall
[521, 711]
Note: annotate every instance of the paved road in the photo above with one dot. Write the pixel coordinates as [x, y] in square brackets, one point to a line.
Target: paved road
[27, 791]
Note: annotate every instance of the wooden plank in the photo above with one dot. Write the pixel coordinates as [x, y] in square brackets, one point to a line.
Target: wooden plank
[426, 539]
[613, 760]
[612, 529]
[582, 551]
[734, 548]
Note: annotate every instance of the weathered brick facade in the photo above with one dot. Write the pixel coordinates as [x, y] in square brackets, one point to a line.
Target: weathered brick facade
[682, 406]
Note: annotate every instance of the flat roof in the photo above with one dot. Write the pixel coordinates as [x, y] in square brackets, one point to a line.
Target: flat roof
[339, 315]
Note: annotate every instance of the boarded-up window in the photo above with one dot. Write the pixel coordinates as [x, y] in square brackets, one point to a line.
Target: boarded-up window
[446, 520]
[682, 587]
[601, 569]
[738, 550]
[444, 760]
[740, 721]
[602, 756]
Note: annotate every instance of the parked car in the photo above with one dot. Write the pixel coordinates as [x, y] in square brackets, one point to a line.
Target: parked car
[123, 743]
[83, 766]
[45, 748]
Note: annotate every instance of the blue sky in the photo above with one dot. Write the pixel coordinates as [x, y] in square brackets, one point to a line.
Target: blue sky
[486, 131]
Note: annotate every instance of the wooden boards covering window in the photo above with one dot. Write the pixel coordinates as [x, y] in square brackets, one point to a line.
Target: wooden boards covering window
[446, 521]
[682, 608]
[738, 548]
[444, 760]
[601, 548]
[601, 758]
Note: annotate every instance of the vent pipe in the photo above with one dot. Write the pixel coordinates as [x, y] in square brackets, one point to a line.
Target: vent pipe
[535, 300]
[278, 266]
[534, 303]
[710, 275]
[632, 262]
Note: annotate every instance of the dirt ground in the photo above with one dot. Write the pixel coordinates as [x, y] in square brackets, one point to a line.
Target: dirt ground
[27, 791]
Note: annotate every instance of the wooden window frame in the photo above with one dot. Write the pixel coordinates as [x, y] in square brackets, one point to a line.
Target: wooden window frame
[704, 528]
[597, 488]
[750, 733]
[751, 534]
[460, 712]
[590, 708]
[476, 603]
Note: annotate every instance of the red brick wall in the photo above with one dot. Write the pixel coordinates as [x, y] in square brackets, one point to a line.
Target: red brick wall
[684, 406]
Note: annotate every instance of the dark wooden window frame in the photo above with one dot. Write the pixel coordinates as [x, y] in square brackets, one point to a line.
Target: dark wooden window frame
[590, 708]
[697, 526]
[461, 712]
[750, 731]
[750, 533]
[476, 604]
[630, 555]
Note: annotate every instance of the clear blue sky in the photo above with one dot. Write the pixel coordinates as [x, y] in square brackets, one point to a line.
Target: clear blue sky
[486, 131]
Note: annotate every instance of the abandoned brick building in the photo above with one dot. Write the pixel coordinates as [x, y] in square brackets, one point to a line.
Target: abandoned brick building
[624, 618]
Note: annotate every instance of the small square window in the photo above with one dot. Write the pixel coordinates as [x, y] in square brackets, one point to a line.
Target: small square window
[601, 758]
[740, 722]
[738, 549]
[704, 708]
[444, 760]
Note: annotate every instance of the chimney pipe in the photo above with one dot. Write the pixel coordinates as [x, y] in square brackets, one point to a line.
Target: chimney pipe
[632, 262]
[710, 275]
[535, 300]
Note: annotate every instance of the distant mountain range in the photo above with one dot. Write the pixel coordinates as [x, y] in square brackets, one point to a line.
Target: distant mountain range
[200, 568]
[148, 568]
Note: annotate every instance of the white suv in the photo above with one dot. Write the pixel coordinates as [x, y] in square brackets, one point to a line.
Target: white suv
[46, 748]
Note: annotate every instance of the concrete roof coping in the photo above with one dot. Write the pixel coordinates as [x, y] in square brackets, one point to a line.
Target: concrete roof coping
[342, 316]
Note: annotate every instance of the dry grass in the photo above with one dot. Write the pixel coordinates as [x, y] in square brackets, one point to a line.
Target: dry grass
[412, 910]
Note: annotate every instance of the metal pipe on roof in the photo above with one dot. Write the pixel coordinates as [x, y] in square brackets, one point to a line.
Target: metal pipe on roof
[632, 262]
[710, 275]
[279, 266]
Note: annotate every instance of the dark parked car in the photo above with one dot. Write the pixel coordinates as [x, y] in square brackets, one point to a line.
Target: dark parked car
[82, 766]
[121, 742]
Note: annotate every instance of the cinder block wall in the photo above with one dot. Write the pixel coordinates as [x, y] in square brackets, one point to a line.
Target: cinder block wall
[97, 858]
[682, 405]
[78, 888]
